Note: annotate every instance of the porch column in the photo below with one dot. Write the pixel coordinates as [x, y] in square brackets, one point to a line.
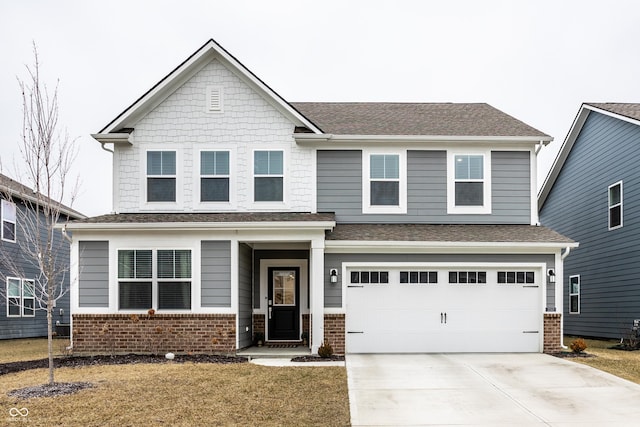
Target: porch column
[559, 293]
[316, 276]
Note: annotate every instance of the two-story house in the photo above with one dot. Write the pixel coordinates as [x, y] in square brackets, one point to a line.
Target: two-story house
[20, 316]
[590, 195]
[376, 227]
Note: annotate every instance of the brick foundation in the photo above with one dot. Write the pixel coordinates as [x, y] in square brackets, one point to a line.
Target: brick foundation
[552, 338]
[334, 332]
[158, 333]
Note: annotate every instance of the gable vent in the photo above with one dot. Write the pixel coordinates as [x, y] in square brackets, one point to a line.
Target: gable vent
[214, 99]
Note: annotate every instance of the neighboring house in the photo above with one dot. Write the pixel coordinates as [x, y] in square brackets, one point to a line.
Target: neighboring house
[19, 316]
[592, 195]
[375, 227]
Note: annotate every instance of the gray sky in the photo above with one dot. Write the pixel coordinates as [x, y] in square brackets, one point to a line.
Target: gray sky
[536, 60]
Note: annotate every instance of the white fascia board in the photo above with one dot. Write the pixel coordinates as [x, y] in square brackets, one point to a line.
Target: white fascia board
[252, 226]
[176, 78]
[112, 138]
[312, 139]
[611, 114]
[360, 246]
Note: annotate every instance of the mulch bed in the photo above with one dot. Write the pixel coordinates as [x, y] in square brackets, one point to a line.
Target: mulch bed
[623, 347]
[78, 361]
[332, 358]
[572, 355]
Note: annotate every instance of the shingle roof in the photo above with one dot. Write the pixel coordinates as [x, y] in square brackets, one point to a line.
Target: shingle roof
[143, 218]
[446, 233]
[624, 109]
[18, 190]
[440, 119]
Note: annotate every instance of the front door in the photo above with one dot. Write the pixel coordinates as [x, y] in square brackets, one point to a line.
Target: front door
[284, 304]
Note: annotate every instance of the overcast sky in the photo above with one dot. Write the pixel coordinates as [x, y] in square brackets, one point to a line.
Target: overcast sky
[536, 60]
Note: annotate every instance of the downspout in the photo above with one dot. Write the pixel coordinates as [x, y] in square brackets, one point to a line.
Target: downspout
[105, 148]
[566, 253]
[562, 258]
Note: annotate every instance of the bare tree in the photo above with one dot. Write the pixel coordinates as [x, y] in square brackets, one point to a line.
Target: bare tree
[47, 155]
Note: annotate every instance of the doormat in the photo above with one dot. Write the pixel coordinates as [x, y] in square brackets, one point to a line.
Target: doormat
[282, 345]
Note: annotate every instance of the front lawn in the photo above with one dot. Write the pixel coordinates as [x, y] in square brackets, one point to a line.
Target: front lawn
[624, 364]
[181, 395]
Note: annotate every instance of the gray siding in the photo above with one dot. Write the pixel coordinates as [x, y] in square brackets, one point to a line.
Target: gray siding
[216, 274]
[245, 318]
[340, 189]
[333, 292]
[606, 151]
[93, 286]
[276, 254]
[36, 326]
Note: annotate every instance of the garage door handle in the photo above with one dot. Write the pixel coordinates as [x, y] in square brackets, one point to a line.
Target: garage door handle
[355, 332]
[529, 332]
[443, 317]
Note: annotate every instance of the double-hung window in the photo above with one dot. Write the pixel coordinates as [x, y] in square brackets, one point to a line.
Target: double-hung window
[159, 279]
[20, 297]
[161, 176]
[384, 178]
[469, 188]
[615, 205]
[8, 221]
[574, 294]
[268, 176]
[214, 176]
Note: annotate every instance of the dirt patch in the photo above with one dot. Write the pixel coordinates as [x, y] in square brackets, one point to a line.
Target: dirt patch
[49, 390]
[332, 358]
[78, 361]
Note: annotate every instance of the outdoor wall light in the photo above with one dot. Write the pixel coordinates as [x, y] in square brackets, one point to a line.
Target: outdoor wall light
[552, 275]
[333, 275]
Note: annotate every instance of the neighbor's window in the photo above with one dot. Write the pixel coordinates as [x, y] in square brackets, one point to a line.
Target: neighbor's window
[138, 282]
[161, 176]
[615, 205]
[268, 176]
[469, 184]
[574, 294]
[20, 297]
[8, 221]
[214, 176]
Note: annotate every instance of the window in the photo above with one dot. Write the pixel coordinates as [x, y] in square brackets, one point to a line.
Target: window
[384, 182]
[268, 172]
[370, 277]
[214, 176]
[8, 221]
[467, 277]
[469, 189]
[161, 176]
[170, 281]
[574, 294]
[516, 277]
[615, 205]
[418, 277]
[20, 297]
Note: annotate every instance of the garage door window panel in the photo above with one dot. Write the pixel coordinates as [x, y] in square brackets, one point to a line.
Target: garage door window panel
[465, 277]
[517, 277]
[366, 277]
[423, 277]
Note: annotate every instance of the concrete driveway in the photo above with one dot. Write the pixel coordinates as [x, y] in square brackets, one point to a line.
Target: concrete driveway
[486, 389]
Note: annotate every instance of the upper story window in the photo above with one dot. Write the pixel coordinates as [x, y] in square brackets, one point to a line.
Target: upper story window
[168, 286]
[8, 221]
[161, 176]
[268, 176]
[469, 186]
[384, 182]
[615, 205]
[214, 176]
[20, 297]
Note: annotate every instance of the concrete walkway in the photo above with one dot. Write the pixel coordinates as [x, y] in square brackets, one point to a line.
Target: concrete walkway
[486, 390]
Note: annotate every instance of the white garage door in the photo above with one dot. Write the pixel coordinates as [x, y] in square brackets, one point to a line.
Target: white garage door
[410, 310]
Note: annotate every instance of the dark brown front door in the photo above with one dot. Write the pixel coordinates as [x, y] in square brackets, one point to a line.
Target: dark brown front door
[284, 304]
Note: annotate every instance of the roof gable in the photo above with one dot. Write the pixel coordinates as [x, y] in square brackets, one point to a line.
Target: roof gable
[628, 112]
[126, 120]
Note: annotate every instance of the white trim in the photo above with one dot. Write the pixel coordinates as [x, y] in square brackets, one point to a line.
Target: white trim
[610, 206]
[21, 297]
[286, 170]
[321, 139]
[574, 293]
[376, 246]
[160, 206]
[533, 187]
[248, 226]
[452, 208]
[367, 207]
[4, 205]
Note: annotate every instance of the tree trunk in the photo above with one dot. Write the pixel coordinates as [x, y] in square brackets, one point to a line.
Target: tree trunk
[50, 340]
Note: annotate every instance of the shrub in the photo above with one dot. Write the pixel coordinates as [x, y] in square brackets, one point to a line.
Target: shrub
[578, 346]
[325, 350]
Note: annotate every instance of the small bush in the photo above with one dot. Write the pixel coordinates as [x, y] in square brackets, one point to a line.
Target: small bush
[325, 350]
[578, 346]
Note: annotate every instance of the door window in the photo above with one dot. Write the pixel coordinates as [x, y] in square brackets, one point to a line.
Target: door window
[284, 287]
